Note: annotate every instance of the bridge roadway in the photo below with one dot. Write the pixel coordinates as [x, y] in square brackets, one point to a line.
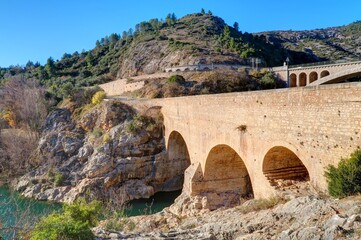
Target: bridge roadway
[318, 73]
[240, 144]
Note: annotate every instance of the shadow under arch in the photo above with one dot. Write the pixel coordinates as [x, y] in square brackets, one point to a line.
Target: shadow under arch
[225, 179]
[178, 156]
[280, 163]
[324, 73]
[293, 80]
[302, 79]
[313, 77]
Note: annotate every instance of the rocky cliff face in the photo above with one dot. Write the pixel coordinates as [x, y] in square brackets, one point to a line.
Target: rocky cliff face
[110, 152]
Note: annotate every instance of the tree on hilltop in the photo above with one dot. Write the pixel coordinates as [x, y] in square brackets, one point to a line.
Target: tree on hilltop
[236, 26]
[170, 19]
[113, 39]
[50, 67]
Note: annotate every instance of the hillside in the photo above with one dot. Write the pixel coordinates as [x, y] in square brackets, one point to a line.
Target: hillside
[329, 44]
[197, 38]
[151, 47]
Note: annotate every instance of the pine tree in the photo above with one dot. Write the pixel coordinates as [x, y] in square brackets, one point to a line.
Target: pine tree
[50, 67]
[97, 44]
[90, 59]
[236, 26]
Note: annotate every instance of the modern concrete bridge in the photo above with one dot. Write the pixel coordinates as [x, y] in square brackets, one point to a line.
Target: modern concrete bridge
[239, 144]
[318, 73]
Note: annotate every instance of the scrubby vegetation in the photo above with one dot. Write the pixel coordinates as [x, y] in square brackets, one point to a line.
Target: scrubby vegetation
[218, 81]
[345, 179]
[74, 222]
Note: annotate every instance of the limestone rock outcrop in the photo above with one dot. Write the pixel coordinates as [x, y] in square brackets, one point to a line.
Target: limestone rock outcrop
[109, 152]
[307, 217]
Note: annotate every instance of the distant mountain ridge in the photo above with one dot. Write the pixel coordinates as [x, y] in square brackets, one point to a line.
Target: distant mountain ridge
[333, 43]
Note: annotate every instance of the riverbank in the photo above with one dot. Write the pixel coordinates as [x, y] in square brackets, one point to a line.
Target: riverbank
[307, 217]
[17, 212]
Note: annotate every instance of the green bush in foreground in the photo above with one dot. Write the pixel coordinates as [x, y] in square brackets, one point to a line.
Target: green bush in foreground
[74, 223]
[345, 179]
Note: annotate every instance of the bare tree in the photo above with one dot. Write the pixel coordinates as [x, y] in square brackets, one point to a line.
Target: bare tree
[16, 148]
[23, 106]
[26, 99]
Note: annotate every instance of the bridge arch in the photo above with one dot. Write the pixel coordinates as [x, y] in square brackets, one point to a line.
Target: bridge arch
[293, 80]
[325, 73]
[339, 76]
[302, 78]
[226, 175]
[313, 77]
[178, 154]
[280, 164]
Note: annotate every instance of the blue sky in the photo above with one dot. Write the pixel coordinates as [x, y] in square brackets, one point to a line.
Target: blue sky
[37, 29]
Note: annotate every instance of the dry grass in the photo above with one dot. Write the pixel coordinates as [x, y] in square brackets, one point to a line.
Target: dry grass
[208, 82]
[260, 204]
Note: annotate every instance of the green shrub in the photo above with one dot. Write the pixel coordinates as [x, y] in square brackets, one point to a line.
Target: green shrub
[97, 132]
[98, 97]
[268, 81]
[345, 179]
[74, 223]
[135, 125]
[176, 79]
[140, 122]
[106, 138]
[132, 127]
[58, 179]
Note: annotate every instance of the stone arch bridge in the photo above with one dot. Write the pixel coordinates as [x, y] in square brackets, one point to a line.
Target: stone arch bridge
[318, 73]
[205, 67]
[241, 144]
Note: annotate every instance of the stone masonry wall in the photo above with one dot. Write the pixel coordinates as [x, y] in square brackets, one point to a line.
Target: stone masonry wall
[120, 86]
[319, 124]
